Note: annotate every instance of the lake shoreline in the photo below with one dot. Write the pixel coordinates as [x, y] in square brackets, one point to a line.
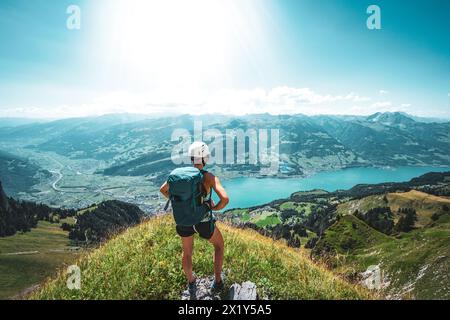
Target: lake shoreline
[242, 195]
[314, 172]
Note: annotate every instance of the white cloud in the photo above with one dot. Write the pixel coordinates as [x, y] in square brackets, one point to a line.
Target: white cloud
[278, 100]
[382, 92]
[382, 104]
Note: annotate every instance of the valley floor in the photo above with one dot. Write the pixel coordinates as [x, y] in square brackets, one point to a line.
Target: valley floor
[27, 259]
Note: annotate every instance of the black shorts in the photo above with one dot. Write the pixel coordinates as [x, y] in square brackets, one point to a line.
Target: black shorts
[204, 229]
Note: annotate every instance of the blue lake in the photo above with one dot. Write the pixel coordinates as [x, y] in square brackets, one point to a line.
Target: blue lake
[246, 192]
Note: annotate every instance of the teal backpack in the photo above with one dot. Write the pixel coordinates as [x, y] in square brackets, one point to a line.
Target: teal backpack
[186, 196]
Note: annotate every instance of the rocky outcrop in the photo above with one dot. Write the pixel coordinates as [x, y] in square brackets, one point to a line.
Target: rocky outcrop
[244, 291]
[203, 291]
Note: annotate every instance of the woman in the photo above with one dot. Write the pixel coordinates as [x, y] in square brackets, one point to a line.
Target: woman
[199, 153]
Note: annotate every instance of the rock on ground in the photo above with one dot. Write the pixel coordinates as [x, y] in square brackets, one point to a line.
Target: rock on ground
[203, 290]
[244, 291]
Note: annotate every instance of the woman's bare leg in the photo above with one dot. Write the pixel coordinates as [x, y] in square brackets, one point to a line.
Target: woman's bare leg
[217, 241]
[188, 248]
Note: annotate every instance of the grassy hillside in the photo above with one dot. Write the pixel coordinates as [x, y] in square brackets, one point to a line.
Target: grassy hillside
[144, 263]
[348, 234]
[424, 204]
[26, 259]
[416, 264]
[19, 174]
[362, 205]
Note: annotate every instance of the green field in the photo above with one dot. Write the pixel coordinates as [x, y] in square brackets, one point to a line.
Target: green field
[27, 259]
[268, 220]
[300, 207]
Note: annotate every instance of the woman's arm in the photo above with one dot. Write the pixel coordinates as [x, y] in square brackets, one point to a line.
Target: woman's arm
[220, 190]
[165, 190]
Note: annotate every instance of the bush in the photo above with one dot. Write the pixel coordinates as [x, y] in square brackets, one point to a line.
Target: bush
[379, 218]
[407, 219]
[108, 218]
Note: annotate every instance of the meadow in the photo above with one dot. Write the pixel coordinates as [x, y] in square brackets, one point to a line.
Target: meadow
[144, 262]
[27, 259]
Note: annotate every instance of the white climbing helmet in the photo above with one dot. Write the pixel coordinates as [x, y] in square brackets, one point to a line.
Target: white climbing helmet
[199, 151]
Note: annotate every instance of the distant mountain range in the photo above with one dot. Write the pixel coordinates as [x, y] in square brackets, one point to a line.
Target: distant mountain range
[15, 122]
[133, 145]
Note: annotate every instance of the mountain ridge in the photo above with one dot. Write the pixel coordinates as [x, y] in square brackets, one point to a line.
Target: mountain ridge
[127, 145]
[144, 264]
[20, 121]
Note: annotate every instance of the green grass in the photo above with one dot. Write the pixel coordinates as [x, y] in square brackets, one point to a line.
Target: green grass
[68, 220]
[246, 217]
[444, 218]
[311, 192]
[400, 258]
[19, 272]
[83, 211]
[270, 220]
[243, 214]
[263, 218]
[430, 248]
[288, 205]
[424, 204]
[145, 263]
[362, 205]
[350, 233]
[304, 240]
[298, 206]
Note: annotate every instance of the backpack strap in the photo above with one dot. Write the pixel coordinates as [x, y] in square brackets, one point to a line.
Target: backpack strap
[168, 202]
[167, 205]
[203, 171]
[211, 216]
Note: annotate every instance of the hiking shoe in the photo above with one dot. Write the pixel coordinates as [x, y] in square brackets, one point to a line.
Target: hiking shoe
[217, 287]
[192, 289]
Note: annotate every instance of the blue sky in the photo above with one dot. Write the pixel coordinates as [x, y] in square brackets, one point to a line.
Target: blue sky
[241, 56]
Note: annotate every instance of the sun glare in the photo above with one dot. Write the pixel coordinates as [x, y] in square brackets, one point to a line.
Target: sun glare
[171, 41]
